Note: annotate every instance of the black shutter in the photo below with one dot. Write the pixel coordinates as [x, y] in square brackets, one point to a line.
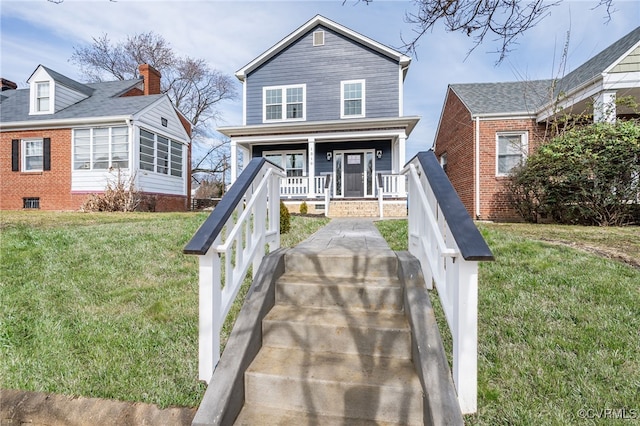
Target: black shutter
[15, 155]
[46, 154]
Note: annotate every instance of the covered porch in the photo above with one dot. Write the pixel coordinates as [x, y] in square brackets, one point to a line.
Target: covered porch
[358, 159]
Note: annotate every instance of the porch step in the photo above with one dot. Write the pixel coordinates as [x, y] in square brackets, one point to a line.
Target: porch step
[340, 331]
[330, 384]
[379, 294]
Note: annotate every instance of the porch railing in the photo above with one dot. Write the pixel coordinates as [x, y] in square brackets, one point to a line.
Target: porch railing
[232, 239]
[294, 186]
[448, 245]
[393, 185]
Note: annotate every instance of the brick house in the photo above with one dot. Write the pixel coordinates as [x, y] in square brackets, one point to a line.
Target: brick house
[486, 129]
[61, 140]
[326, 104]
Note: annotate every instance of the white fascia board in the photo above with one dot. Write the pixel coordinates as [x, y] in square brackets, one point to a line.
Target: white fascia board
[521, 115]
[63, 123]
[621, 58]
[595, 85]
[616, 81]
[444, 105]
[320, 137]
[299, 128]
[321, 20]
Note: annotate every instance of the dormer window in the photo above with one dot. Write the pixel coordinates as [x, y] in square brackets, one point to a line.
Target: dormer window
[42, 97]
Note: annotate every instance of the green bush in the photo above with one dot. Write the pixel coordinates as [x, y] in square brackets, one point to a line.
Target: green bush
[285, 219]
[589, 175]
[304, 208]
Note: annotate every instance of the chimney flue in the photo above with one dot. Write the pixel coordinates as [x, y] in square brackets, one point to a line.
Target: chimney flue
[151, 78]
[8, 85]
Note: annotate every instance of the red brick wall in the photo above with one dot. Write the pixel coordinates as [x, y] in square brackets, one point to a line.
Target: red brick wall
[53, 187]
[494, 203]
[455, 137]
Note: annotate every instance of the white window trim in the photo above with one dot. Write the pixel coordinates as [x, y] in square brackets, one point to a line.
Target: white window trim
[23, 155]
[524, 146]
[285, 152]
[283, 117]
[92, 159]
[364, 109]
[33, 107]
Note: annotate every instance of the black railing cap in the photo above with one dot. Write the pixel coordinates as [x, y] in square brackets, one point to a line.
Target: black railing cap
[210, 229]
[469, 240]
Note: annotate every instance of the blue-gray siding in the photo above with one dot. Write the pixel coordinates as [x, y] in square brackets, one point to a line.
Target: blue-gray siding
[383, 164]
[322, 68]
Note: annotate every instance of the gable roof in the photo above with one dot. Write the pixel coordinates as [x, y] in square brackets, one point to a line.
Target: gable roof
[104, 101]
[511, 98]
[308, 26]
[65, 81]
[597, 65]
[530, 97]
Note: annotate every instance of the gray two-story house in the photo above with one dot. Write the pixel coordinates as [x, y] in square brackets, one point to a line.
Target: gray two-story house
[326, 104]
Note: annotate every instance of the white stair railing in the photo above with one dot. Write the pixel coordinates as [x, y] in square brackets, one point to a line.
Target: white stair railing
[232, 239]
[448, 245]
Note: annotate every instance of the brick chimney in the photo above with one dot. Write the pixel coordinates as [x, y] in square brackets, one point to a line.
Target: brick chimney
[8, 85]
[151, 77]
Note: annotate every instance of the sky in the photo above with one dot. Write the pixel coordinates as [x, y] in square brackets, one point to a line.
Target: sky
[229, 34]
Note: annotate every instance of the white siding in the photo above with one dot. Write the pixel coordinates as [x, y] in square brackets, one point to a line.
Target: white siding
[151, 119]
[65, 97]
[95, 180]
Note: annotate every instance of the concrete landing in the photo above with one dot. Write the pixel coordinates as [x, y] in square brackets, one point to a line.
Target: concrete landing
[346, 236]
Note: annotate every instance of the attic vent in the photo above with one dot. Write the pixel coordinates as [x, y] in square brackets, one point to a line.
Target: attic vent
[318, 38]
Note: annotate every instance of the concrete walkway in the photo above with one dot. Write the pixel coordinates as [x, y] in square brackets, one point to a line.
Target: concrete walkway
[346, 236]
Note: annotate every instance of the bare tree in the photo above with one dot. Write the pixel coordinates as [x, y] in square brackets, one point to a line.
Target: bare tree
[505, 19]
[192, 85]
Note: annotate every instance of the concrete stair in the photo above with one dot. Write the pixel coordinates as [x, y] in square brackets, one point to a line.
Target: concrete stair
[336, 347]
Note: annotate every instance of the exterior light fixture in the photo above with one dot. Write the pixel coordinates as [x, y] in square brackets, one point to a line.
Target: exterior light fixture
[379, 154]
[329, 156]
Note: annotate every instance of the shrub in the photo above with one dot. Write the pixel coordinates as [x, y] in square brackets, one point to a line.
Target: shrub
[588, 175]
[120, 195]
[285, 219]
[303, 208]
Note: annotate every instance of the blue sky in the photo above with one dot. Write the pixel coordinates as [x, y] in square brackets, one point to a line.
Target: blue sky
[229, 34]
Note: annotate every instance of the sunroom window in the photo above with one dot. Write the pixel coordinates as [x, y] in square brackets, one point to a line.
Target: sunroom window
[284, 103]
[101, 148]
[160, 154]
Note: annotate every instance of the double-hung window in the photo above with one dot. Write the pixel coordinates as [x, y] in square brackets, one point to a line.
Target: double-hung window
[33, 158]
[292, 162]
[511, 151]
[42, 97]
[284, 103]
[352, 100]
[101, 148]
[160, 154]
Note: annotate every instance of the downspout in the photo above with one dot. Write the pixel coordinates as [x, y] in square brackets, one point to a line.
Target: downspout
[477, 168]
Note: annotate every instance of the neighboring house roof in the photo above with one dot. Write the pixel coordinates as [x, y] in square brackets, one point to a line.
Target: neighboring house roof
[530, 97]
[521, 97]
[104, 101]
[597, 65]
[66, 81]
[329, 24]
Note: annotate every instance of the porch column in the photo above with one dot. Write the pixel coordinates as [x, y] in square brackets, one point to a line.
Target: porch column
[402, 142]
[246, 157]
[604, 107]
[234, 162]
[311, 173]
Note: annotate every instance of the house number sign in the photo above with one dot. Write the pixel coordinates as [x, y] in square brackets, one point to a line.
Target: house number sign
[353, 159]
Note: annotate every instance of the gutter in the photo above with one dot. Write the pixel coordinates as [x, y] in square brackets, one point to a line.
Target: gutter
[476, 167]
[65, 122]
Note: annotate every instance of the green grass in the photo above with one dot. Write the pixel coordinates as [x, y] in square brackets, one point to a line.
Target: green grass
[559, 328]
[104, 305]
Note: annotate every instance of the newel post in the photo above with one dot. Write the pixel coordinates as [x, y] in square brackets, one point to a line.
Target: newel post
[465, 338]
[209, 301]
